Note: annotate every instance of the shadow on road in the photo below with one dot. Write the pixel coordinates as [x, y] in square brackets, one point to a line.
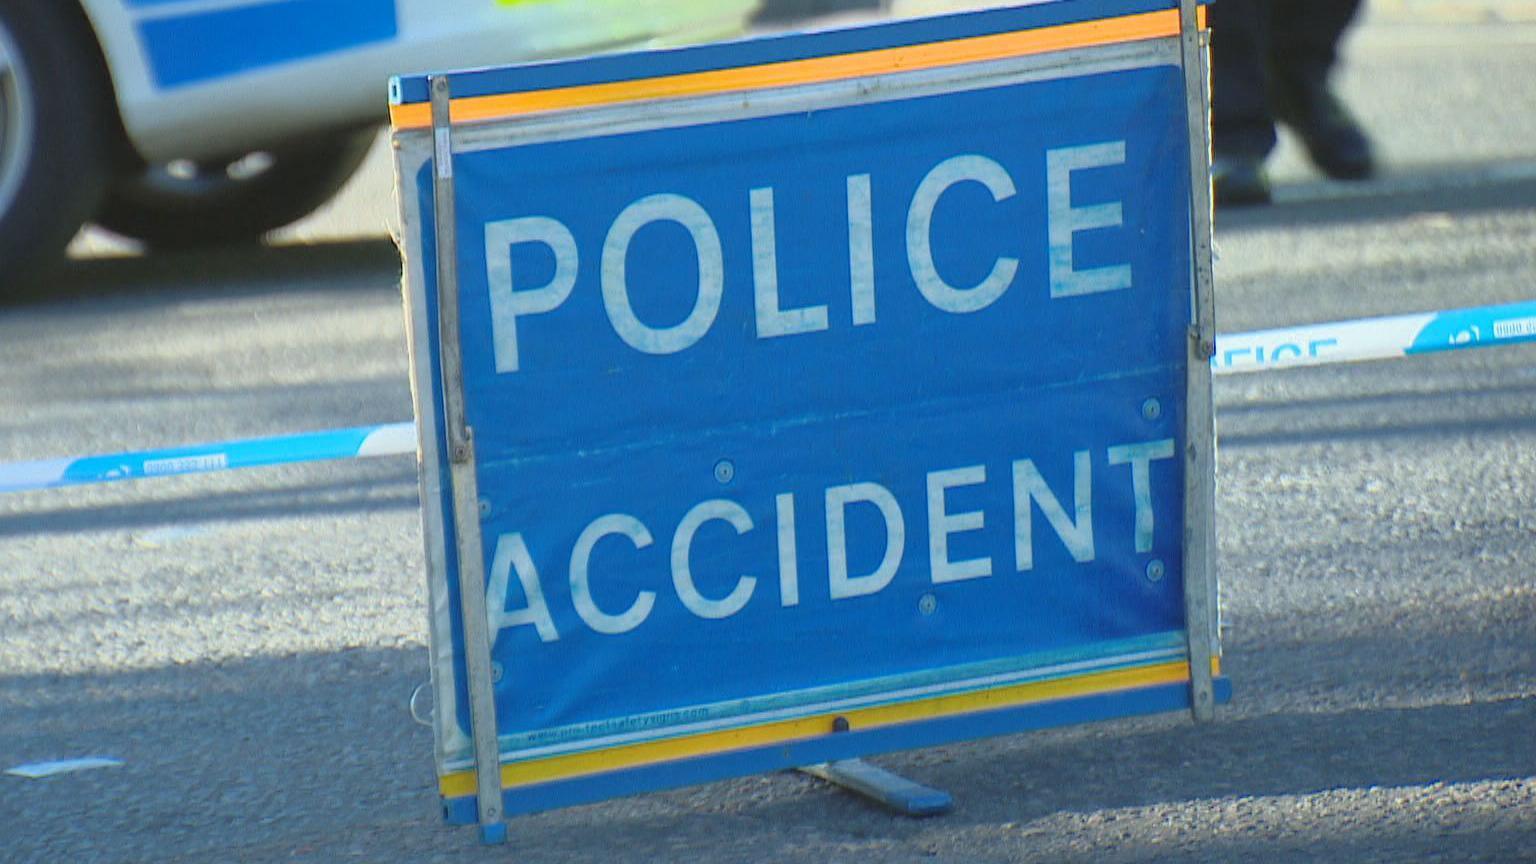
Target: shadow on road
[1447, 188]
[1448, 398]
[318, 727]
[376, 486]
[230, 271]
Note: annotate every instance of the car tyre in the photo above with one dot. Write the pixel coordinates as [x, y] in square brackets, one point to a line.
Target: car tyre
[56, 123]
[188, 204]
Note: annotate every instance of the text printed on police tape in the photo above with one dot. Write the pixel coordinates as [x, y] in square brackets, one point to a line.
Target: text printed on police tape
[1073, 527]
[510, 302]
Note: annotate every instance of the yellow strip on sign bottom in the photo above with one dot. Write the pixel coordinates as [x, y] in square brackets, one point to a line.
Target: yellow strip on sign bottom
[934, 55]
[462, 783]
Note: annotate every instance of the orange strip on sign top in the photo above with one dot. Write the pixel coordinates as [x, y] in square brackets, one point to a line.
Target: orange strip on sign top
[1084, 34]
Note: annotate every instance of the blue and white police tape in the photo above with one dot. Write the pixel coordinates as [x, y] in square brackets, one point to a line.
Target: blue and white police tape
[1285, 347]
[360, 442]
[1375, 338]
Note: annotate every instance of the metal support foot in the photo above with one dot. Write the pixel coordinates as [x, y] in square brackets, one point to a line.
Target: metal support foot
[493, 834]
[882, 787]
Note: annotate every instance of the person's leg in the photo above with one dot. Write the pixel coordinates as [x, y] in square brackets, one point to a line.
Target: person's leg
[1305, 34]
[1242, 128]
[1304, 43]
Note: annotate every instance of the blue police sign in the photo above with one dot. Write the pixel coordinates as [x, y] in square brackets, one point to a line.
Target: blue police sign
[838, 381]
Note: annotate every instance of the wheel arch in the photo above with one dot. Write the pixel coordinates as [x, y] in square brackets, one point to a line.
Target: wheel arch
[105, 34]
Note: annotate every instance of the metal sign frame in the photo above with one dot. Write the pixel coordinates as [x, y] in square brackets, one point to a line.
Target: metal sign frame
[1201, 602]
[453, 507]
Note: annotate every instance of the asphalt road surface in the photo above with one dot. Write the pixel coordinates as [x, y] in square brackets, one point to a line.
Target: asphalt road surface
[246, 642]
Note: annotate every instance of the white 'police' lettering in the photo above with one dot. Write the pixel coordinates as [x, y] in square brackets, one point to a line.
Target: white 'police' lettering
[512, 304]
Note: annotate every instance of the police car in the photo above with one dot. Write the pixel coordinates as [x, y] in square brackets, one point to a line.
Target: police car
[191, 122]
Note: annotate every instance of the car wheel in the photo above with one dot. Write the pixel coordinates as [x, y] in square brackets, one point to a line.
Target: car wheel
[54, 122]
[188, 203]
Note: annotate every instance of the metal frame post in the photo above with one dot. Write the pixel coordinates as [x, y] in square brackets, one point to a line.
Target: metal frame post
[1200, 585]
[466, 495]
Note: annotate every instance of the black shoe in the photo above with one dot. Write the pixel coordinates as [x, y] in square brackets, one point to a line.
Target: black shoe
[1334, 141]
[1239, 181]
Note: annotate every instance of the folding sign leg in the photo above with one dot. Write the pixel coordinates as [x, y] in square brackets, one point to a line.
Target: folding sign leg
[1200, 591]
[890, 791]
[461, 450]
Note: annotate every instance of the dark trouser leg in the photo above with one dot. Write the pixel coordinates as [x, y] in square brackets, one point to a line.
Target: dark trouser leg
[1304, 39]
[1241, 123]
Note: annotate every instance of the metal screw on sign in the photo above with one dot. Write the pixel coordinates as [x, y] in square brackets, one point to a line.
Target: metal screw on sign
[485, 508]
[725, 471]
[496, 673]
[1156, 570]
[928, 604]
[1152, 409]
